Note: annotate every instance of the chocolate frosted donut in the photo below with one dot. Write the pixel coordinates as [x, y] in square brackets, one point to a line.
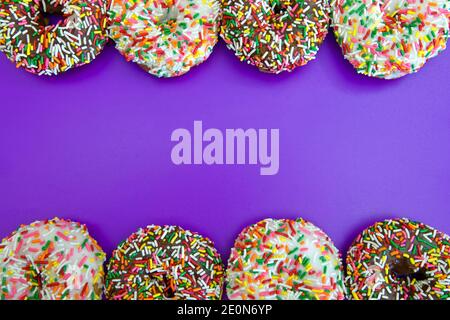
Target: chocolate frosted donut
[165, 263]
[275, 35]
[44, 49]
[399, 260]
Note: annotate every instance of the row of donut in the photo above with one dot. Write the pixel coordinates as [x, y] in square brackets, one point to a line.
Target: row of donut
[281, 259]
[381, 38]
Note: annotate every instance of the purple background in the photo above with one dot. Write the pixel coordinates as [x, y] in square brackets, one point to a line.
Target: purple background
[94, 145]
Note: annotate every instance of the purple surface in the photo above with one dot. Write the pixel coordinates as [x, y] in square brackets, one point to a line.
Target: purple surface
[94, 145]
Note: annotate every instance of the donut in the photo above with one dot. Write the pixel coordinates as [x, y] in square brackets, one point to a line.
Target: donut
[275, 36]
[166, 38]
[165, 263]
[29, 41]
[284, 260]
[399, 259]
[51, 260]
[390, 39]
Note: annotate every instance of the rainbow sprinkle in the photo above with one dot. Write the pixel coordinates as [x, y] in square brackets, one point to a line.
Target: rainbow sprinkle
[284, 260]
[390, 38]
[165, 37]
[44, 49]
[51, 260]
[165, 263]
[399, 260]
[275, 35]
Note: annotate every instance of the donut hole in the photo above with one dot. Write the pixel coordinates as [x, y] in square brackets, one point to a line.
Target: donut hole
[169, 292]
[405, 271]
[277, 9]
[52, 18]
[169, 16]
[419, 275]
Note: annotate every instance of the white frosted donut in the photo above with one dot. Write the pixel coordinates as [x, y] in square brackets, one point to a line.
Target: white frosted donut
[390, 38]
[51, 260]
[285, 260]
[165, 37]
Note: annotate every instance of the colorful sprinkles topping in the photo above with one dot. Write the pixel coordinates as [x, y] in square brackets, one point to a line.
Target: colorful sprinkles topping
[275, 35]
[164, 263]
[390, 38]
[399, 260]
[165, 37]
[51, 260]
[44, 49]
[284, 260]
